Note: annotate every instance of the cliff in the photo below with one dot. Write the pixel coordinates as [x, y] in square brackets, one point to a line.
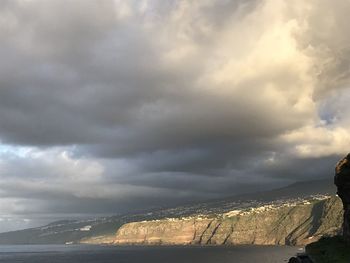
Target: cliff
[342, 181]
[295, 223]
[102, 230]
[336, 249]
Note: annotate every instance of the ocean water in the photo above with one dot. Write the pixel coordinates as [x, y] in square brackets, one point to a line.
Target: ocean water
[110, 254]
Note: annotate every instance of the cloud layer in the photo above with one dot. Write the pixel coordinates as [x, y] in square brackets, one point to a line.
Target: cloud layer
[109, 106]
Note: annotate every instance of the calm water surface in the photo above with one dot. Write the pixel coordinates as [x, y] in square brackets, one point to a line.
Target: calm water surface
[109, 254]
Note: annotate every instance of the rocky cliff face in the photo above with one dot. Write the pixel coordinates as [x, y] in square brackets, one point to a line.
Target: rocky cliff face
[291, 224]
[342, 181]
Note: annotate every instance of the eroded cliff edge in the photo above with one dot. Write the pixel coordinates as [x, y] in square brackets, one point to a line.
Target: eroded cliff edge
[289, 224]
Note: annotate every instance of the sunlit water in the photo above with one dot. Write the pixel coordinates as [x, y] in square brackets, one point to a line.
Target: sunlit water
[109, 254]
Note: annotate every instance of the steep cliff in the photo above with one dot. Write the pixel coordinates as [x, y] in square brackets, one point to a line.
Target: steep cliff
[102, 230]
[342, 181]
[292, 224]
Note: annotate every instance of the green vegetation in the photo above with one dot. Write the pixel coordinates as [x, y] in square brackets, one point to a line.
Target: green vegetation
[330, 250]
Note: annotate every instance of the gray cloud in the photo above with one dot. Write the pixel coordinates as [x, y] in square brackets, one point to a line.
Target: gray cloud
[113, 105]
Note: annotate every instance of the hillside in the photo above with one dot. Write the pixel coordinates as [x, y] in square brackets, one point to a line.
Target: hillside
[218, 212]
[294, 223]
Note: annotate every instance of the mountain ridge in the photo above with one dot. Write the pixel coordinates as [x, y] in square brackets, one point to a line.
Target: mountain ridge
[103, 229]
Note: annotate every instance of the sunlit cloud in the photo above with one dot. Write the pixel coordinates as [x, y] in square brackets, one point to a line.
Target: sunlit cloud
[120, 105]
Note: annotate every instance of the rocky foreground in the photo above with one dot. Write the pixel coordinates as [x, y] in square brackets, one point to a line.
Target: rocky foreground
[294, 223]
[329, 249]
[336, 249]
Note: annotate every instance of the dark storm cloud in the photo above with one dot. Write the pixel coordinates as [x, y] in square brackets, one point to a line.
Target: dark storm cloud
[83, 76]
[114, 105]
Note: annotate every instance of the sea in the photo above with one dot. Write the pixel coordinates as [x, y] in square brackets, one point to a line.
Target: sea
[136, 254]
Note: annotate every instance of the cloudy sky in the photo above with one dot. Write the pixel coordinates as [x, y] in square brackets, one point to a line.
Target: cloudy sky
[110, 106]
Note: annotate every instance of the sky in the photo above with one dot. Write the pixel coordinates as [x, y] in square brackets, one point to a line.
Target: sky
[112, 106]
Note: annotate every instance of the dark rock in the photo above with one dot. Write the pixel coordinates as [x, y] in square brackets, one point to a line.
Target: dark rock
[300, 258]
[342, 181]
[294, 260]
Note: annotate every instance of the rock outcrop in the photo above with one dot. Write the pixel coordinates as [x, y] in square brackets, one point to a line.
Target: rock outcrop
[342, 181]
[289, 224]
